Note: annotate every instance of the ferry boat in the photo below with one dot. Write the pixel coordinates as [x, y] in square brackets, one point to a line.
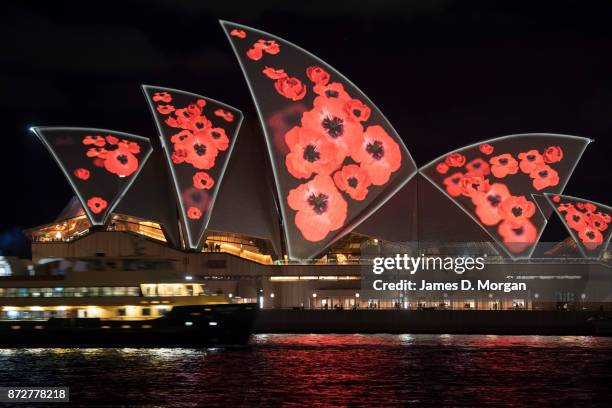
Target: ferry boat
[125, 301]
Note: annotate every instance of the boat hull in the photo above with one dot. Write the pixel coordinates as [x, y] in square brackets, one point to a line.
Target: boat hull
[183, 326]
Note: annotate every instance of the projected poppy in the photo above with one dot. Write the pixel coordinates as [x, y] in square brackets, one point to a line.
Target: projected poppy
[587, 222]
[198, 136]
[324, 135]
[100, 164]
[493, 183]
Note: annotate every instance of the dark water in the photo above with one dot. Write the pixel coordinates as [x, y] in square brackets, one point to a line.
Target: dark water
[322, 370]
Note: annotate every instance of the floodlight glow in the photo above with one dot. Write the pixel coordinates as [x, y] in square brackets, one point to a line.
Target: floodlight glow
[587, 222]
[494, 183]
[99, 164]
[336, 158]
[198, 135]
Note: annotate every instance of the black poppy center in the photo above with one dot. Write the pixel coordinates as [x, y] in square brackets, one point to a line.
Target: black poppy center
[476, 165]
[311, 154]
[576, 218]
[503, 162]
[334, 126]
[318, 203]
[455, 180]
[494, 200]
[97, 204]
[597, 224]
[357, 112]
[199, 125]
[215, 134]
[200, 149]
[352, 182]
[590, 234]
[331, 94]
[376, 150]
[518, 231]
[543, 173]
[530, 157]
[517, 211]
[122, 158]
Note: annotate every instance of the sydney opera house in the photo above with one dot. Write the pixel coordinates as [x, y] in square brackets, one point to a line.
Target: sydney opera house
[292, 217]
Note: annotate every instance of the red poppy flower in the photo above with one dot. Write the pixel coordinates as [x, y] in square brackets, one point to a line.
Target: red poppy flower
[189, 118]
[487, 205]
[254, 53]
[201, 103]
[590, 237]
[598, 222]
[165, 109]
[274, 73]
[181, 136]
[486, 148]
[110, 139]
[330, 93]
[453, 184]
[267, 46]
[226, 115]
[320, 207]
[290, 88]
[310, 152]
[96, 152]
[553, 154]
[606, 217]
[516, 210]
[478, 166]
[203, 181]
[590, 207]
[194, 213]
[455, 160]
[517, 238]
[474, 186]
[556, 199]
[94, 140]
[565, 207]
[357, 110]
[121, 162]
[162, 97]
[333, 122]
[179, 155]
[201, 150]
[544, 176]
[530, 160]
[98, 162]
[503, 165]
[442, 168]
[238, 33]
[378, 154]
[81, 173]
[317, 75]
[97, 204]
[132, 147]
[353, 180]
[575, 219]
[219, 137]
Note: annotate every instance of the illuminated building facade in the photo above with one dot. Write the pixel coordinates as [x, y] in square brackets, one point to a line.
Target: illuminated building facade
[294, 221]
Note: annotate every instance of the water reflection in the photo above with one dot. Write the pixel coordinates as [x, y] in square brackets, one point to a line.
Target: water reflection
[331, 369]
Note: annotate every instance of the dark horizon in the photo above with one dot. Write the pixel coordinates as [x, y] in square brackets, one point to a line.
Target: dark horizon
[446, 74]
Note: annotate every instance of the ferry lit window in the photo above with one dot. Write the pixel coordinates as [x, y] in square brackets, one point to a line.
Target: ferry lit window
[146, 311]
[1, 292]
[133, 291]
[93, 291]
[119, 291]
[23, 292]
[5, 270]
[121, 311]
[106, 291]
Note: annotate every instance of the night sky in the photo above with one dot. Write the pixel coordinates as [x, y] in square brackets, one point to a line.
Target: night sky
[445, 73]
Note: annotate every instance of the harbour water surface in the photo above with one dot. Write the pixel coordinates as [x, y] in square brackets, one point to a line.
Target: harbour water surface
[321, 370]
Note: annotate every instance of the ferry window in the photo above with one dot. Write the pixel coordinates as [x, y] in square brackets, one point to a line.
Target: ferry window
[23, 292]
[146, 311]
[1, 292]
[47, 292]
[93, 291]
[119, 291]
[106, 291]
[81, 292]
[121, 311]
[58, 292]
[133, 291]
[11, 292]
[35, 292]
